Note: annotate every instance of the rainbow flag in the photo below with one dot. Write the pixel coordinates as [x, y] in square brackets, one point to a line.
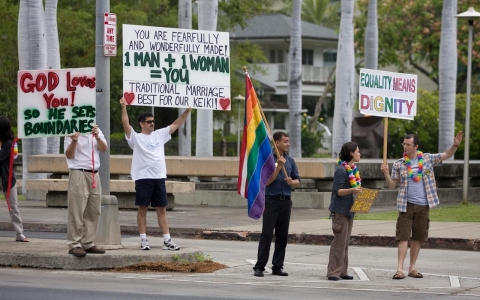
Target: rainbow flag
[256, 158]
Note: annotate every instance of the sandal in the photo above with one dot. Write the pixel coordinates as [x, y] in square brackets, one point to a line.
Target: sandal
[25, 240]
[398, 275]
[415, 274]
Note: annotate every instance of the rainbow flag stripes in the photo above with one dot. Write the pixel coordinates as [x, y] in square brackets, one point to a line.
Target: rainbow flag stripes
[256, 158]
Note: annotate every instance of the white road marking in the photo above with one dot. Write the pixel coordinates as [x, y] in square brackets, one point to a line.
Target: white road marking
[361, 274]
[454, 281]
[253, 262]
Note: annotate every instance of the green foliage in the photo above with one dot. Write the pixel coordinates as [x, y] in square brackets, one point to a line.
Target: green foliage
[200, 257]
[8, 60]
[321, 12]
[460, 111]
[236, 12]
[310, 140]
[117, 136]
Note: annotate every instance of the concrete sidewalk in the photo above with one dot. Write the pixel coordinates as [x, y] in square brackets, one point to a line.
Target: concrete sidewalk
[308, 226]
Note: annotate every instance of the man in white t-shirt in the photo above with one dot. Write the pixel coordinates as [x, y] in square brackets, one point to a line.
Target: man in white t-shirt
[149, 170]
[84, 190]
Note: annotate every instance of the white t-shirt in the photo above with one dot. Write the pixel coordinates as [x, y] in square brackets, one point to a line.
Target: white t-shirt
[148, 161]
[83, 155]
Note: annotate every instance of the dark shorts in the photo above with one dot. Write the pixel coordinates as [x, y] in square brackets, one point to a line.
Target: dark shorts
[415, 222]
[151, 192]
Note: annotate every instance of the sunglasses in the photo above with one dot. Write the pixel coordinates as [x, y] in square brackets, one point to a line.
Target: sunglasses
[149, 121]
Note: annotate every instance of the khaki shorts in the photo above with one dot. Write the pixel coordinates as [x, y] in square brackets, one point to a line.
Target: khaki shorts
[415, 222]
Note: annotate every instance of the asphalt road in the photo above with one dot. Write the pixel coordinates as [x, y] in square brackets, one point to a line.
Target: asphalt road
[448, 275]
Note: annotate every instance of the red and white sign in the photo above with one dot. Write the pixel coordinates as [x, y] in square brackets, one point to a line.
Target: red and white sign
[110, 34]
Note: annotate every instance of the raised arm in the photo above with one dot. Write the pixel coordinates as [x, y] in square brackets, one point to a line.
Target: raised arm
[451, 151]
[101, 143]
[72, 146]
[125, 122]
[179, 121]
[391, 183]
[279, 165]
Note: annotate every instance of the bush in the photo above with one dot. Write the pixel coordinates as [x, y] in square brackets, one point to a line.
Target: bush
[311, 141]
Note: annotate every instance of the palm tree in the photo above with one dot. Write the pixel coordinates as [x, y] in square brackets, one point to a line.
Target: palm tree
[32, 55]
[185, 131]
[295, 81]
[320, 12]
[447, 77]
[371, 37]
[207, 20]
[344, 84]
[53, 57]
[314, 11]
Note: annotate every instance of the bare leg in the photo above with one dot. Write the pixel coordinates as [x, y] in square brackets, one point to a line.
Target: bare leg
[142, 219]
[414, 251]
[162, 219]
[402, 253]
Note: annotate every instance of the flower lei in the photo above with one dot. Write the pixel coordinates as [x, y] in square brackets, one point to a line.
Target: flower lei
[420, 166]
[353, 175]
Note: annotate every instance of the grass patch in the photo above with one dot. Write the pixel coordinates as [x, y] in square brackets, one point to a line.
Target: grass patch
[457, 213]
[20, 197]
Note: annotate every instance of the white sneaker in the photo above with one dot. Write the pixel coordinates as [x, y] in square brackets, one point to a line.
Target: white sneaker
[144, 245]
[170, 245]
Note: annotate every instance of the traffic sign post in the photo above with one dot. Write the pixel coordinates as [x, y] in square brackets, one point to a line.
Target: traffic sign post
[110, 34]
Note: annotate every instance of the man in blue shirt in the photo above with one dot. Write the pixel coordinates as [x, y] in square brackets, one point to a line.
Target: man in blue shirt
[278, 206]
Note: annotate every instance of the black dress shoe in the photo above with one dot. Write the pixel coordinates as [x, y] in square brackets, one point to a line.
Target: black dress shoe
[346, 277]
[258, 273]
[334, 278]
[279, 272]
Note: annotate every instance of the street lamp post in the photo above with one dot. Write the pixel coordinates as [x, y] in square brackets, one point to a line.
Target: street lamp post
[239, 98]
[470, 15]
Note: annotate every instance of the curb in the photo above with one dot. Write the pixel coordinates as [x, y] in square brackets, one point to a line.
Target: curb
[293, 238]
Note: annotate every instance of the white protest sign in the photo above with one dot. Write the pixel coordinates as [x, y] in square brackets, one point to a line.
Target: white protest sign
[56, 102]
[388, 94]
[174, 67]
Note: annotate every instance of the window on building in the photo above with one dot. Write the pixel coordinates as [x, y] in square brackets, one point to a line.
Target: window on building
[277, 56]
[279, 120]
[307, 57]
[329, 57]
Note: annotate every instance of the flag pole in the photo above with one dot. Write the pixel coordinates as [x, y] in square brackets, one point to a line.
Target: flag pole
[268, 127]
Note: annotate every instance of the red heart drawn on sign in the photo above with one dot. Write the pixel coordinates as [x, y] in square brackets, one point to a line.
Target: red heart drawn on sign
[129, 97]
[224, 103]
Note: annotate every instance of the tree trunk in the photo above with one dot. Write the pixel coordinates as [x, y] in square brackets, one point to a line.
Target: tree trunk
[53, 57]
[32, 55]
[345, 76]
[185, 130]
[312, 127]
[207, 20]
[295, 81]
[371, 37]
[447, 75]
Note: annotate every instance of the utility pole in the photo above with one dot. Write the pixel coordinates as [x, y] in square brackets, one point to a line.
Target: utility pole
[108, 233]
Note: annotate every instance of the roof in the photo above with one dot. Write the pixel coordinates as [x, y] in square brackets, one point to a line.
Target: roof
[276, 106]
[280, 26]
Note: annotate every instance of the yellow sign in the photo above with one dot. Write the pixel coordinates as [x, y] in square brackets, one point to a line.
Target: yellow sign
[364, 201]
